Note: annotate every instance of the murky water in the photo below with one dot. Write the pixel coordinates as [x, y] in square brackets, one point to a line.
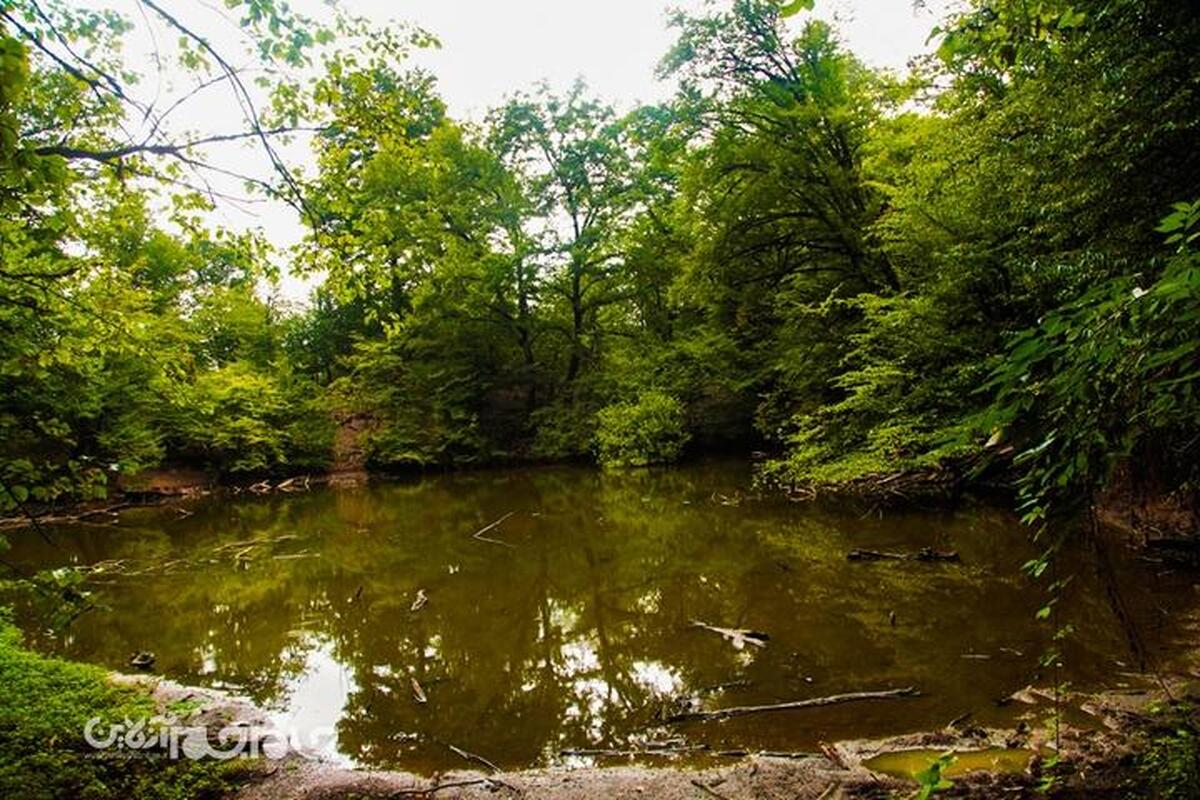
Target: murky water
[569, 625]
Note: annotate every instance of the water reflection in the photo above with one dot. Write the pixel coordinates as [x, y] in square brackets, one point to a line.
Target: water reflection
[577, 631]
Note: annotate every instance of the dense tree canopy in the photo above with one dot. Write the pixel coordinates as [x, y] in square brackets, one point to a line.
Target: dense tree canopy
[857, 273]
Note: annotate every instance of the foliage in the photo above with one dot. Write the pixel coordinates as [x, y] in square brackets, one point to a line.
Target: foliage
[1107, 377]
[931, 779]
[803, 253]
[649, 431]
[1169, 768]
[238, 420]
[794, 252]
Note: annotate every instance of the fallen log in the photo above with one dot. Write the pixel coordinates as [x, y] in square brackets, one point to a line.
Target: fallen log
[813, 702]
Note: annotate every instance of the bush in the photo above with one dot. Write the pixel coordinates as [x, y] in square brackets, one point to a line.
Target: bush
[650, 431]
[1170, 767]
[236, 419]
[563, 430]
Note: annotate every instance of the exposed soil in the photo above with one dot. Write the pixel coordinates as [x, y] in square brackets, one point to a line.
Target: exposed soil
[1148, 511]
[349, 465]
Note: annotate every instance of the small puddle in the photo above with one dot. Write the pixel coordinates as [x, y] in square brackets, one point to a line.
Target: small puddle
[907, 763]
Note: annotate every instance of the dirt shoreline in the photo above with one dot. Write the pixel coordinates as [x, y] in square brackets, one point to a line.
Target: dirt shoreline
[1095, 761]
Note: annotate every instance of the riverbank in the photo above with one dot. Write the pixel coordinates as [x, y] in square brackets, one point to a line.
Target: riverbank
[1168, 525]
[1099, 749]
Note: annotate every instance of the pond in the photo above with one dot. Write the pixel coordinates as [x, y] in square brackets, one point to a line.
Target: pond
[570, 624]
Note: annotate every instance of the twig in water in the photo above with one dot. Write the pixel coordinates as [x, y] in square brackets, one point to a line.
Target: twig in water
[814, 702]
[479, 534]
[473, 757]
[738, 638]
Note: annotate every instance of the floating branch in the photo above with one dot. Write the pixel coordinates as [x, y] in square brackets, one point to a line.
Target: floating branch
[479, 534]
[738, 638]
[815, 702]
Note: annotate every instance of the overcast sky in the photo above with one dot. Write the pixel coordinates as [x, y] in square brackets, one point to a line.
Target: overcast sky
[491, 49]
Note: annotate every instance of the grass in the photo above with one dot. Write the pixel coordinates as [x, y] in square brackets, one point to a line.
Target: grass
[44, 705]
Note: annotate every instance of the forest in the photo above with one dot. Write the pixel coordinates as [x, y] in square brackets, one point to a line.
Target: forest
[855, 273]
[980, 275]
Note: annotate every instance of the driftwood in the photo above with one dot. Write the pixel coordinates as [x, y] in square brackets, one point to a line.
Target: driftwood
[738, 638]
[479, 534]
[813, 702]
[299, 483]
[924, 554]
[420, 602]
[37, 520]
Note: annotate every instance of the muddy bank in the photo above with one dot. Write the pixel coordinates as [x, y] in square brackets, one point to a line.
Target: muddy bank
[1096, 751]
[173, 486]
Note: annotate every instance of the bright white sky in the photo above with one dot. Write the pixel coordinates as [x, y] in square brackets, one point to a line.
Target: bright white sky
[491, 49]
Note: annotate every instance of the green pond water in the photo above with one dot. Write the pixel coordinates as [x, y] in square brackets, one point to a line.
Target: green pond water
[910, 763]
[573, 628]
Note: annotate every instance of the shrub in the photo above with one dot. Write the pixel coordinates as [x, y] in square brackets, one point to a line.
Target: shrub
[1170, 767]
[649, 431]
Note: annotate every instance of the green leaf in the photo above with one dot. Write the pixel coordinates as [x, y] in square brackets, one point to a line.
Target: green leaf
[795, 7]
[1071, 19]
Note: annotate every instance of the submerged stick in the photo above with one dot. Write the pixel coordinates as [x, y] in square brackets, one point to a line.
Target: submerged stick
[814, 702]
[479, 534]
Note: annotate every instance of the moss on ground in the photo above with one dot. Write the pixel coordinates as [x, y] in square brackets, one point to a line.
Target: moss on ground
[45, 704]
